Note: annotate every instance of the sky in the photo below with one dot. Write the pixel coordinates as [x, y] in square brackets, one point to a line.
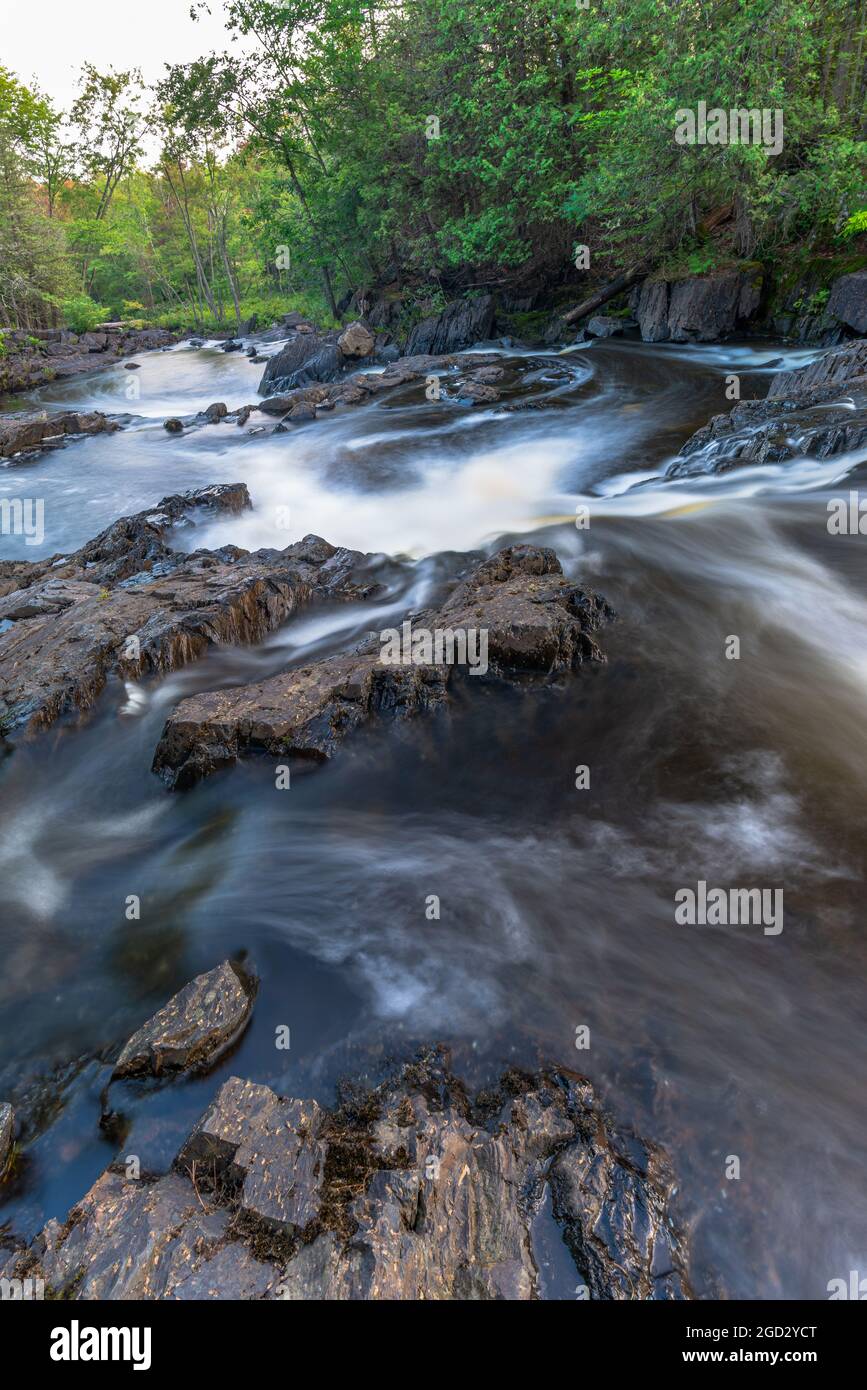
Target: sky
[51, 39]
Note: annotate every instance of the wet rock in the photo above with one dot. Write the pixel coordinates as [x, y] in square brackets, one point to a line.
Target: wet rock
[233, 345]
[848, 300]
[140, 606]
[307, 358]
[243, 415]
[411, 1191]
[301, 412]
[461, 323]
[194, 1029]
[487, 375]
[604, 326]
[815, 411]
[701, 308]
[478, 392]
[132, 366]
[266, 1148]
[26, 432]
[534, 620]
[7, 1131]
[356, 341]
[215, 413]
[173, 425]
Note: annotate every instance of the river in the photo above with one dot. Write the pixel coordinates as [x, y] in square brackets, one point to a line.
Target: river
[557, 904]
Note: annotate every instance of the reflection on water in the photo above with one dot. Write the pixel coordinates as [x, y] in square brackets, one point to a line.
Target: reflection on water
[557, 904]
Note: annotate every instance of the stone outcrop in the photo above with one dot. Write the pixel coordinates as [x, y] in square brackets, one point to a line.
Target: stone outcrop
[34, 358]
[194, 1028]
[848, 300]
[127, 604]
[30, 431]
[410, 1191]
[307, 358]
[701, 308]
[461, 323]
[535, 621]
[815, 411]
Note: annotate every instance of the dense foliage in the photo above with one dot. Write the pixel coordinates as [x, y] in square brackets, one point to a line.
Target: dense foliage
[439, 144]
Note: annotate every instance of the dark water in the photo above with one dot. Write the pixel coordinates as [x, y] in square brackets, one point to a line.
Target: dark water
[557, 905]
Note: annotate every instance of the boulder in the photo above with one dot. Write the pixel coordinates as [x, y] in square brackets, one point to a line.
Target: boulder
[173, 425]
[848, 300]
[215, 413]
[461, 323]
[193, 1029]
[604, 326]
[307, 358]
[356, 341]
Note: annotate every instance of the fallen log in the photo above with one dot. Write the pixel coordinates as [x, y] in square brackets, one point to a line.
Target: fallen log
[621, 282]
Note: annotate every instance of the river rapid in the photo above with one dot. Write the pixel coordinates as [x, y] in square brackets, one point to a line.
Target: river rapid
[557, 904]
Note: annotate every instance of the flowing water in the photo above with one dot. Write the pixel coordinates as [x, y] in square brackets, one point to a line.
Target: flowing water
[557, 904]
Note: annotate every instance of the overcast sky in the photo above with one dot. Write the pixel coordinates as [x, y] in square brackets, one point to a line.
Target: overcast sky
[51, 39]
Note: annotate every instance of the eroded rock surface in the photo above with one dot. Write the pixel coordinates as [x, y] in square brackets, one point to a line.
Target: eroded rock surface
[816, 411]
[30, 432]
[700, 308]
[7, 1130]
[127, 604]
[409, 1191]
[536, 621]
[194, 1028]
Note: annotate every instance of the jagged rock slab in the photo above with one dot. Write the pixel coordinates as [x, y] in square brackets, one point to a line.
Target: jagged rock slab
[127, 604]
[193, 1029]
[536, 622]
[461, 323]
[409, 1192]
[307, 358]
[267, 1148]
[816, 411]
[848, 300]
[29, 432]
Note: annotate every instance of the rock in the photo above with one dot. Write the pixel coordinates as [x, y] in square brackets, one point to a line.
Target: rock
[356, 341]
[233, 345]
[7, 1131]
[194, 1029]
[535, 621]
[478, 393]
[173, 425]
[701, 308]
[215, 413]
[461, 323]
[410, 1192]
[301, 412]
[243, 415]
[802, 415]
[848, 300]
[832, 372]
[58, 354]
[487, 375]
[305, 359]
[267, 1148]
[139, 606]
[132, 366]
[25, 432]
[604, 326]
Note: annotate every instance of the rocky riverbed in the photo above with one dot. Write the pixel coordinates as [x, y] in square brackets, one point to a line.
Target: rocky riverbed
[415, 1179]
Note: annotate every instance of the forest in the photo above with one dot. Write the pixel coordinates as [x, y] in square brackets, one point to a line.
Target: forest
[443, 147]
